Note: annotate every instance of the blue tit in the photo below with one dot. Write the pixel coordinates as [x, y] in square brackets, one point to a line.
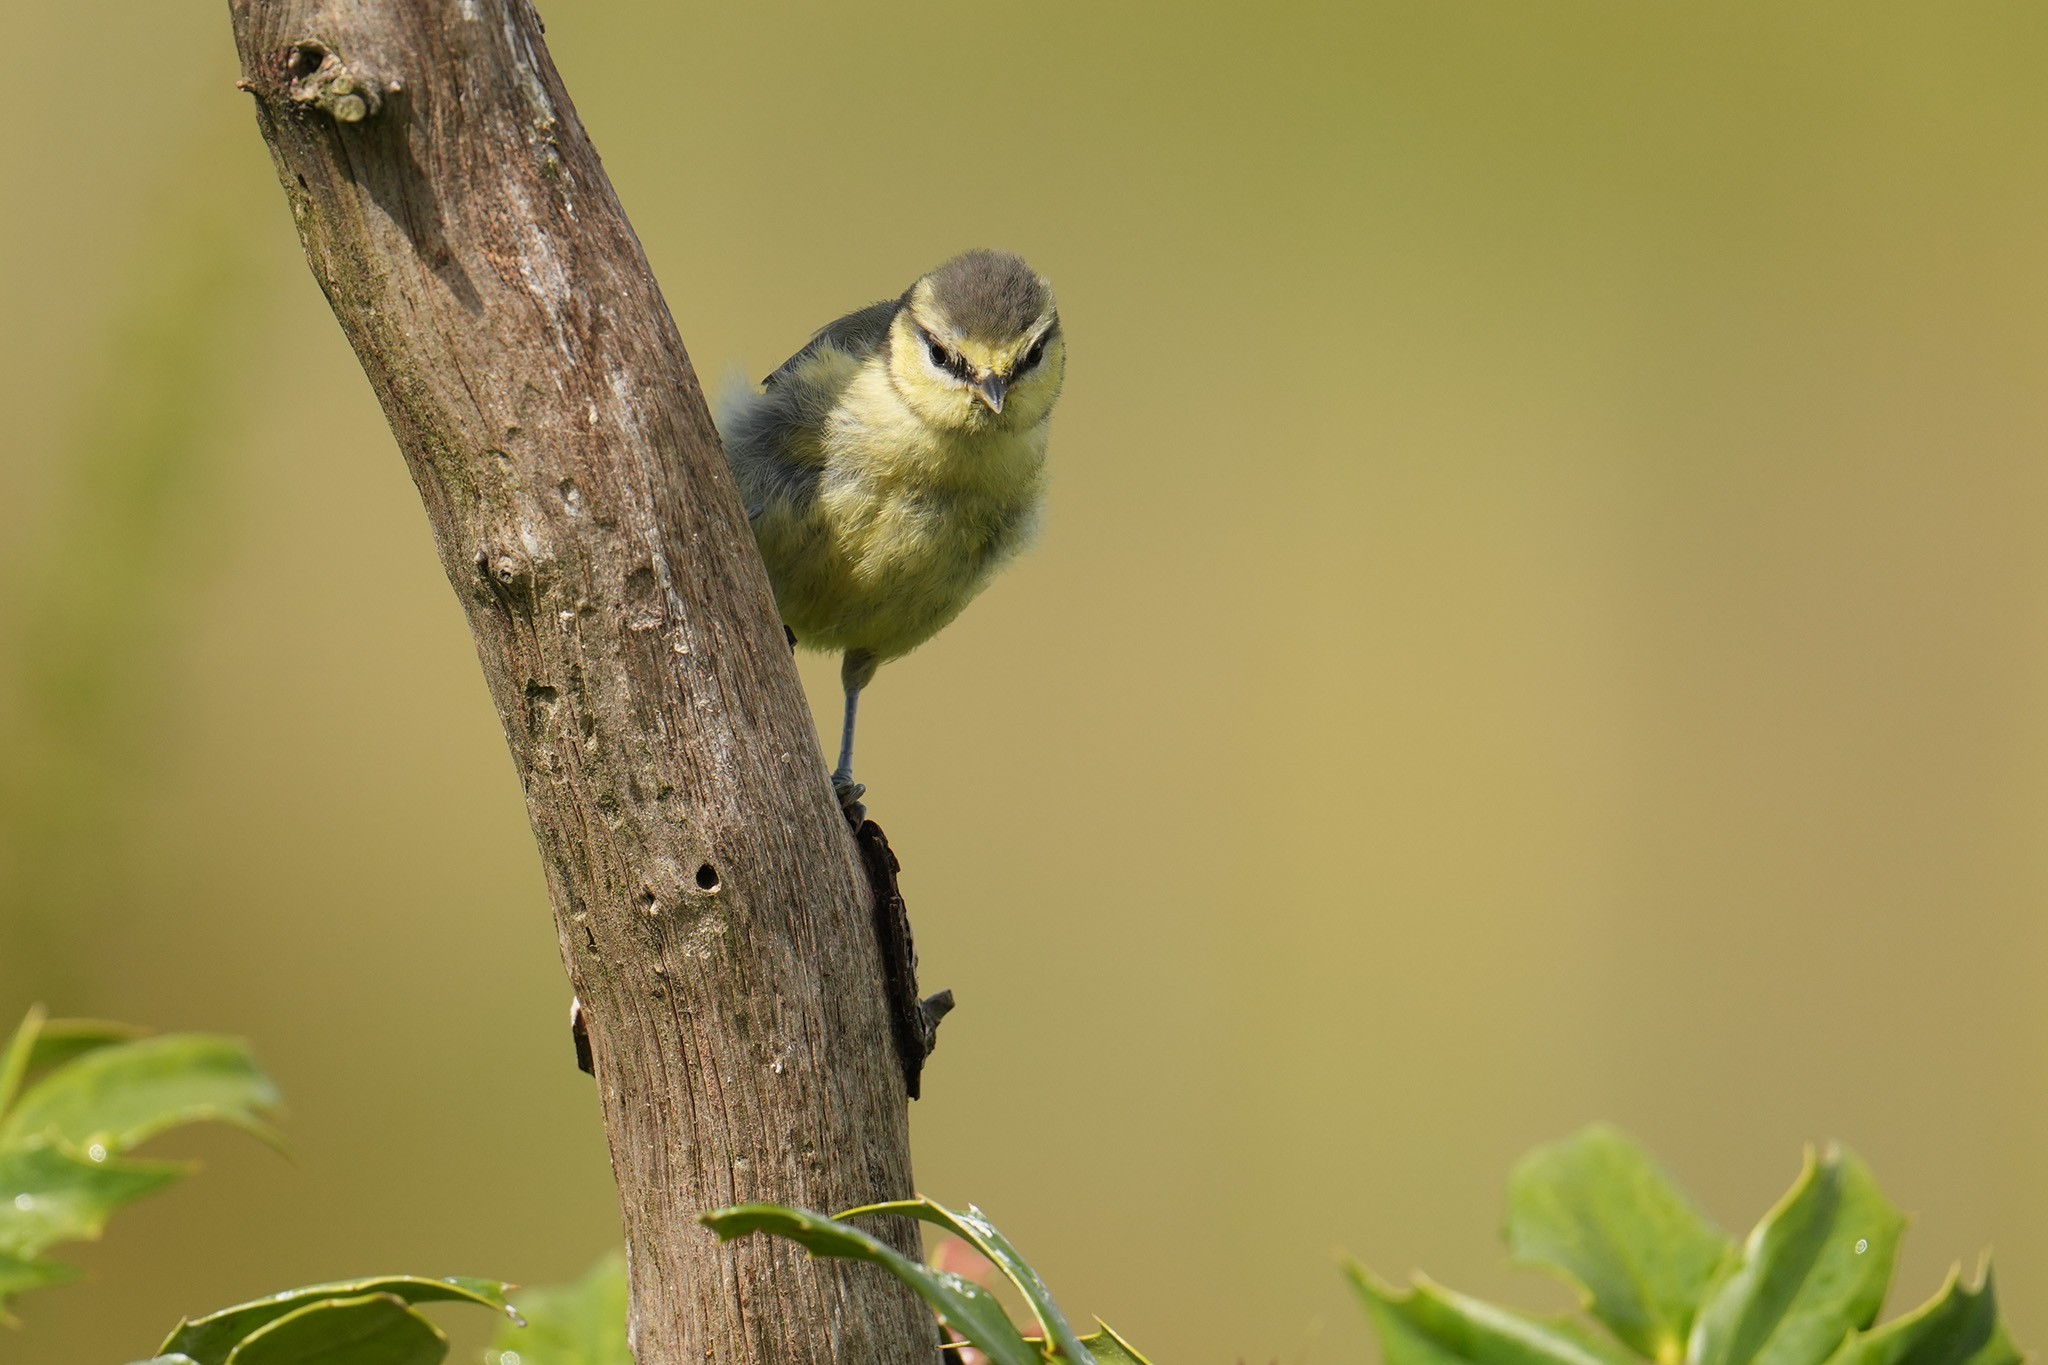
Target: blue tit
[892, 465]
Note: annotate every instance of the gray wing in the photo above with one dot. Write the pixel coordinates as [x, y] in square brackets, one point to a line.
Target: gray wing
[859, 333]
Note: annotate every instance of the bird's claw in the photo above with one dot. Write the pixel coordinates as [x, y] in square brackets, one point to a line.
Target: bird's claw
[849, 793]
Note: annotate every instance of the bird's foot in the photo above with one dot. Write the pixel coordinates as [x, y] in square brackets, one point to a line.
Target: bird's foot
[849, 793]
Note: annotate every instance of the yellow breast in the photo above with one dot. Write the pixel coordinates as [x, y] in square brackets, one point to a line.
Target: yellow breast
[907, 526]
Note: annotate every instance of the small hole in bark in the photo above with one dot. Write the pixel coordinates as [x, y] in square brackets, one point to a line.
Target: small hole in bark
[647, 899]
[306, 59]
[707, 878]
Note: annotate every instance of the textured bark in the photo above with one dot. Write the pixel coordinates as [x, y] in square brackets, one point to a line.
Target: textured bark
[712, 913]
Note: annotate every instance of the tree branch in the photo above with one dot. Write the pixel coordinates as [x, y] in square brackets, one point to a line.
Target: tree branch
[712, 912]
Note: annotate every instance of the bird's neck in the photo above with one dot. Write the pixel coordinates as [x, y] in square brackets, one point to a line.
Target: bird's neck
[892, 442]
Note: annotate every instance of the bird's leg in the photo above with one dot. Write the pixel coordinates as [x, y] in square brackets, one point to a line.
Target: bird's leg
[842, 776]
[855, 672]
[844, 787]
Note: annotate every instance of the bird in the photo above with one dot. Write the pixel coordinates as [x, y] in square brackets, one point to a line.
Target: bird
[896, 461]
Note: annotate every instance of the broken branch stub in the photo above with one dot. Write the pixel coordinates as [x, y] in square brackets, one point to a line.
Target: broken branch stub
[319, 79]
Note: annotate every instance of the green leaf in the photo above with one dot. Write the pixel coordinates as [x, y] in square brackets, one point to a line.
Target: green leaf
[974, 1228]
[20, 1273]
[62, 1040]
[1110, 1349]
[23, 1272]
[1958, 1326]
[49, 1195]
[1813, 1271]
[120, 1095]
[965, 1307]
[1599, 1211]
[1431, 1325]
[42, 1042]
[14, 1061]
[81, 1092]
[212, 1340]
[1104, 1345]
[376, 1329]
[573, 1324]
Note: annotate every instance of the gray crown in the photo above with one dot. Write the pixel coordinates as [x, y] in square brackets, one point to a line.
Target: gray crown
[990, 296]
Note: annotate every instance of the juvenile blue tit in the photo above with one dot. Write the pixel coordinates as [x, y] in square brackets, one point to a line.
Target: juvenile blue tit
[897, 460]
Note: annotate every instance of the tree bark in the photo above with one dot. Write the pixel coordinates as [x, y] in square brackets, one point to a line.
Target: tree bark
[712, 913]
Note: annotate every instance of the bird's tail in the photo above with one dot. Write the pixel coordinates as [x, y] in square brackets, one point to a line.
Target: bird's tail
[735, 391]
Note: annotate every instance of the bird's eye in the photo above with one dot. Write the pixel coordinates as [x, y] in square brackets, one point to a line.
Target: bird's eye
[1032, 357]
[941, 357]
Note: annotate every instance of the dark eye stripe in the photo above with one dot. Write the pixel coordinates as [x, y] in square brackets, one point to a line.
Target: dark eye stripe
[945, 359]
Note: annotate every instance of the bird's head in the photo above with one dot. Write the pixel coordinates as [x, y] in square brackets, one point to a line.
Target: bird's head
[977, 344]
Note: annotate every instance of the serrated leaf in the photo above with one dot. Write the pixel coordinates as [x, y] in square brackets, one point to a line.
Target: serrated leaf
[974, 1228]
[42, 1042]
[19, 1274]
[1108, 1348]
[375, 1329]
[1104, 1344]
[49, 1195]
[63, 1040]
[573, 1324]
[74, 1094]
[212, 1340]
[120, 1095]
[1958, 1326]
[1430, 1325]
[968, 1309]
[1599, 1211]
[1813, 1271]
[20, 1048]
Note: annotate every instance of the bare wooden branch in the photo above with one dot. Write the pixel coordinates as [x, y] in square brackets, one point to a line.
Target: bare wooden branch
[712, 911]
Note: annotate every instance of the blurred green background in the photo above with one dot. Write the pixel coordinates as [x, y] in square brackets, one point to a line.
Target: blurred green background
[1543, 616]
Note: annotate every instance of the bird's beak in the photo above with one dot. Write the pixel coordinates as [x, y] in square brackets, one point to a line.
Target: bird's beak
[990, 390]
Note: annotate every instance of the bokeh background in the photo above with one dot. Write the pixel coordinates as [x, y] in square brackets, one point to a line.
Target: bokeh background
[1543, 617]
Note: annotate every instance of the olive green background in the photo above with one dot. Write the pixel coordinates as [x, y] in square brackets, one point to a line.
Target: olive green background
[1543, 616]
